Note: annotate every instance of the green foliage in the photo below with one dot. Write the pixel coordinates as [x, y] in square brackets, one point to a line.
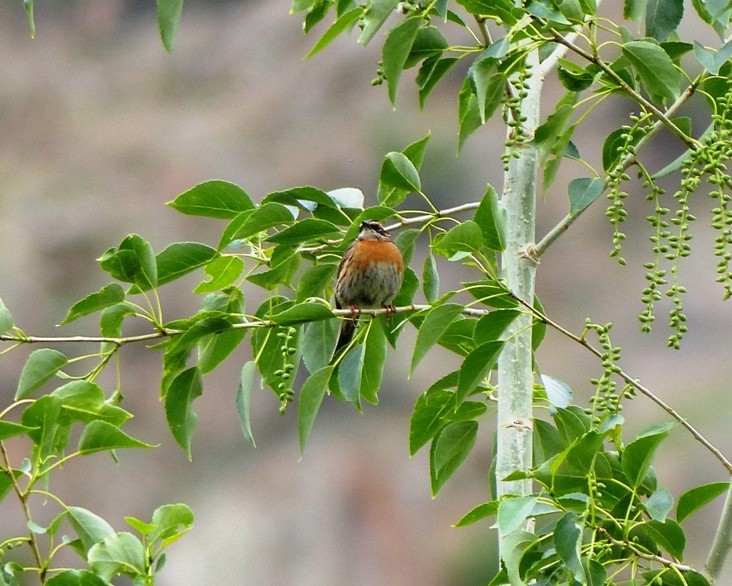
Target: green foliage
[598, 509]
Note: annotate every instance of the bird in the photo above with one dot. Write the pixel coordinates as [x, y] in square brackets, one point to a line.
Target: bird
[368, 277]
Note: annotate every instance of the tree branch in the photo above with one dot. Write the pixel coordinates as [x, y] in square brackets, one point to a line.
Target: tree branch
[165, 333]
[541, 247]
[691, 142]
[636, 385]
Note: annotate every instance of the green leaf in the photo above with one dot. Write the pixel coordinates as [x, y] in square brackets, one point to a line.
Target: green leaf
[223, 271]
[582, 192]
[110, 323]
[490, 327]
[181, 258]
[376, 14]
[311, 397]
[449, 450]
[313, 281]
[318, 343]
[243, 398]
[182, 420]
[573, 77]
[657, 72]
[659, 504]
[634, 9]
[267, 342]
[50, 437]
[170, 522]
[204, 326]
[558, 393]
[121, 553]
[251, 222]
[478, 513]
[699, 496]
[316, 12]
[302, 313]
[374, 359]
[343, 23]
[499, 9]
[285, 262]
[169, 12]
[487, 84]
[10, 429]
[430, 279]
[430, 74]
[458, 337]
[106, 296]
[465, 237]
[469, 118]
[6, 319]
[428, 417]
[28, 5]
[84, 401]
[560, 149]
[350, 373]
[430, 42]
[305, 197]
[568, 541]
[416, 150]
[713, 61]
[397, 47]
[513, 512]
[132, 262]
[638, 454]
[398, 172]
[663, 17]
[595, 572]
[515, 546]
[213, 199]
[555, 124]
[214, 348]
[668, 535]
[75, 578]
[100, 436]
[476, 367]
[491, 217]
[491, 292]
[435, 323]
[89, 527]
[40, 367]
[307, 229]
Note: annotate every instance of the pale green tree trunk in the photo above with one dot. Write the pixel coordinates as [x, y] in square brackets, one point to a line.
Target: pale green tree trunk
[515, 372]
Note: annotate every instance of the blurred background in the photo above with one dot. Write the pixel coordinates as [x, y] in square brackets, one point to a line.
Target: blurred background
[99, 128]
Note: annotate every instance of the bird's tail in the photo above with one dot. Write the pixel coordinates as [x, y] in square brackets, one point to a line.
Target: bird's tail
[348, 327]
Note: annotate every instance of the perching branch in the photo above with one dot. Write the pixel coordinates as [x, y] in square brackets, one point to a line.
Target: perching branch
[165, 333]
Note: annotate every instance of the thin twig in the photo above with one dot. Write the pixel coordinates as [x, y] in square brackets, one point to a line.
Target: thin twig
[646, 556]
[692, 143]
[23, 498]
[541, 247]
[122, 341]
[635, 384]
[551, 62]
